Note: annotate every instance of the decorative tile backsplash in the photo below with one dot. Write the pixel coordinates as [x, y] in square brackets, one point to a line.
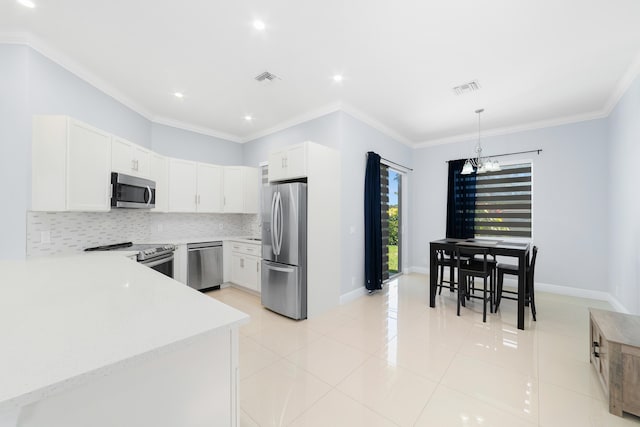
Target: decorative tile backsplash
[70, 232]
[184, 225]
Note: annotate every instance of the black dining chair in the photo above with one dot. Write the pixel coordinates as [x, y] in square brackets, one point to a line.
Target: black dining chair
[530, 298]
[477, 264]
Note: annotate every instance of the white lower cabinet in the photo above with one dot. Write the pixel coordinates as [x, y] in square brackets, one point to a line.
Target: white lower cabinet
[245, 265]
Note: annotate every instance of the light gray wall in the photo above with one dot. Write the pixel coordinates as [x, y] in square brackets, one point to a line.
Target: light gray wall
[15, 137]
[32, 84]
[54, 90]
[324, 130]
[624, 200]
[569, 199]
[353, 139]
[188, 145]
[357, 138]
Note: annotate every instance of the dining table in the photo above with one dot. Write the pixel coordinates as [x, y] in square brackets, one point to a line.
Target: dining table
[517, 250]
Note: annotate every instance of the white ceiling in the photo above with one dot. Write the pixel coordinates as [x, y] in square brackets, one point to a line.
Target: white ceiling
[538, 62]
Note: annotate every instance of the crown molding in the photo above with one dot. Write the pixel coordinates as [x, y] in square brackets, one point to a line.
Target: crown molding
[296, 120]
[623, 84]
[37, 44]
[594, 115]
[197, 129]
[354, 112]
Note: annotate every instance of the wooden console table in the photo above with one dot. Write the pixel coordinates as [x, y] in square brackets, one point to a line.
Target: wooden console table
[615, 354]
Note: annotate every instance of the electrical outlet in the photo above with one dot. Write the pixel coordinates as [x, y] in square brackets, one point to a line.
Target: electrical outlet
[221, 226]
[45, 236]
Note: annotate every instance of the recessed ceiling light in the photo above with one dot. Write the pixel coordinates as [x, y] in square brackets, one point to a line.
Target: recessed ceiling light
[259, 25]
[178, 95]
[248, 118]
[27, 3]
[338, 78]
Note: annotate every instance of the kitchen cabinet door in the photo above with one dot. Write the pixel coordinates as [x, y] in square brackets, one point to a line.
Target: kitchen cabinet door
[159, 172]
[129, 158]
[233, 189]
[237, 269]
[209, 188]
[296, 162]
[182, 186]
[142, 159]
[251, 190]
[252, 273]
[277, 169]
[122, 156]
[88, 174]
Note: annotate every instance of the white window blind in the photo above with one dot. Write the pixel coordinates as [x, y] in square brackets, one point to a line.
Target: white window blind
[503, 202]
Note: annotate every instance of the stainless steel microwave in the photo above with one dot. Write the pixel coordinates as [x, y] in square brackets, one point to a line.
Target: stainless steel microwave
[132, 192]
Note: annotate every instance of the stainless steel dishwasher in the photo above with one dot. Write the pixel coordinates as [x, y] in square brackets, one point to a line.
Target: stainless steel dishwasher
[204, 265]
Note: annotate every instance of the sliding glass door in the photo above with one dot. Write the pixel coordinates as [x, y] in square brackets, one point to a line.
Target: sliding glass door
[391, 205]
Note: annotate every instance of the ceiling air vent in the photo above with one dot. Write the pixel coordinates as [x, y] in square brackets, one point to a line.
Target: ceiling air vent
[472, 86]
[266, 76]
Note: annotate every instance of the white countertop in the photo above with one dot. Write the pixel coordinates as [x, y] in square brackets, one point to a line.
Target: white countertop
[66, 319]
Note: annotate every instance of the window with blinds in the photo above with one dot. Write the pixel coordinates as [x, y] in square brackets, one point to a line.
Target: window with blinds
[503, 202]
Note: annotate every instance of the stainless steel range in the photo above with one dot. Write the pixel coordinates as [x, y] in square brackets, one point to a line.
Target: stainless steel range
[154, 255]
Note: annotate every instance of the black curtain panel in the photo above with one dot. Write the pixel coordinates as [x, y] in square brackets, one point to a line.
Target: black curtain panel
[461, 202]
[372, 224]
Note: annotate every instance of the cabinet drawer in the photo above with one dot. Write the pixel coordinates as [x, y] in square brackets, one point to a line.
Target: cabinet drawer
[245, 248]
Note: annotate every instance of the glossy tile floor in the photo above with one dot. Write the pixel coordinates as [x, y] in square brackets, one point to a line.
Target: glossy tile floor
[388, 359]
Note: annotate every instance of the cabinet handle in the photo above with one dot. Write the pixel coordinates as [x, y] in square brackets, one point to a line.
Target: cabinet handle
[242, 262]
[224, 200]
[257, 268]
[596, 347]
[282, 162]
[137, 165]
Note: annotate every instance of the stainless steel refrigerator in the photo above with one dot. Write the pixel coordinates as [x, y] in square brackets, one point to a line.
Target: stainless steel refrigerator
[284, 249]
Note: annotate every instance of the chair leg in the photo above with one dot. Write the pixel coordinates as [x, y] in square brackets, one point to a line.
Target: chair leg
[459, 294]
[491, 293]
[499, 289]
[533, 301]
[451, 279]
[441, 278]
[484, 301]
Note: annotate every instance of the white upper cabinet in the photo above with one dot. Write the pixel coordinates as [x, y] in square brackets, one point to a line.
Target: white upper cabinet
[183, 181]
[209, 188]
[159, 173]
[241, 189]
[194, 187]
[71, 166]
[130, 158]
[233, 197]
[288, 163]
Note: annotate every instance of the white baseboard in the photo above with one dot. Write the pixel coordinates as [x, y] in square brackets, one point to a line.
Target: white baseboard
[352, 295]
[420, 270]
[559, 290]
[617, 305]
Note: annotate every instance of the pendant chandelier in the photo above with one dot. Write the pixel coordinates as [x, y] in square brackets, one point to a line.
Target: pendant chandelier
[481, 164]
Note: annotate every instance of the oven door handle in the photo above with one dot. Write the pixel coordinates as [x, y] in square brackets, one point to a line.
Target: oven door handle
[157, 261]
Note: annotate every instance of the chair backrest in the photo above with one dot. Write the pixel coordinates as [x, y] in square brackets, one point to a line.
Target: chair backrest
[532, 265]
[472, 252]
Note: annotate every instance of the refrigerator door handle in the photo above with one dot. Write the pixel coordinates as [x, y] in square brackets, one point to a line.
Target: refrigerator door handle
[274, 247]
[280, 269]
[280, 222]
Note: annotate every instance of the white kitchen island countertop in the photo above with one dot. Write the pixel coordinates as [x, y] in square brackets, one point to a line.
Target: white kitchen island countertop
[66, 320]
